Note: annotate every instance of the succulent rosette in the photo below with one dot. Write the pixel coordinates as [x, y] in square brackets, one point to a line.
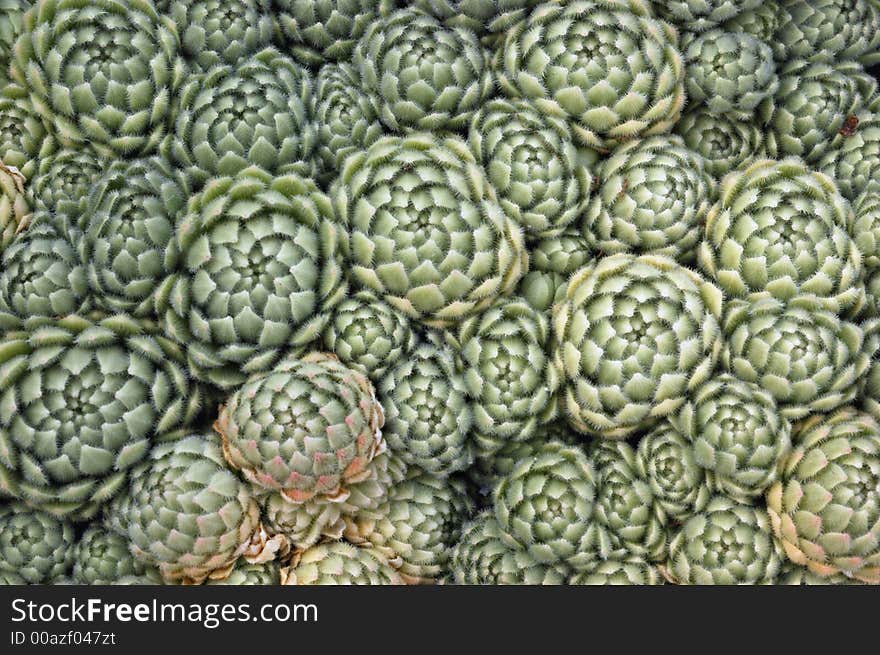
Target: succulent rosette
[259, 272]
[652, 197]
[560, 57]
[340, 563]
[63, 182]
[101, 556]
[725, 142]
[35, 546]
[83, 400]
[24, 138]
[781, 229]
[830, 29]
[102, 74]
[425, 231]
[633, 337]
[552, 261]
[825, 508]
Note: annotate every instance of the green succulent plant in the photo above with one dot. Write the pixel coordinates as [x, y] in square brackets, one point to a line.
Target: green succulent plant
[806, 357]
[417, 526]
[545, 506]
[724, 142]
[507, 373]
[482, 557]
[41, 273]
[188, 515]
[340, 563]
[368, 333]
[424, 75]
[551, 262]
[760, 20]
[620, 572]
[265, 574]
[830, 29]
[63, 182]
[633, 336]
[15, 210]
[653, 196]
[259, 273]
[424, 229]
[866, 227]
[795, 575]
[128, 242]
[608, 67]
[488, 470]
[533, 164]
[730, 73]
[11, 18]
[256, 113]
[825, 508]
[216, 32]
[856, 163]
[34, 545]
[69, 56]
[346, 118]
[728, 543]
[24, 138]
[781, 229]
[625, 503]
[82, 401]
[701, 15]
[428, 415]
[814, 103]
[306, 429]
[738, 434]
[101, 556]
[667, 462]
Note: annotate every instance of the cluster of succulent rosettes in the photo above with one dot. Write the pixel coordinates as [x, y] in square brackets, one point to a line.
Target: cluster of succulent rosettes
[815, 105]
[255, 113]
[780, 229]
[701, 15]
[738, 435]
[259, 273]
[188, 515]
[424, 229]
[128, 246]
[856, 162]
[731, 73]
[101, 556]
[502, 355]
[552, 262]
[218, 31]
[318, 31]
[62, 183]
[368, 333]
[82, 401]
[532, 163]
[428, 414]
[806, 357]
[41, 273]
[666, 461]
[825, 508]
[424, 75]
[625, 503]
[307, 429]
[490, 17]
[345, 118]
[545, 506]
[560, 57]
[653, 196]
[303, 524]
[727, 543]
[724, 142]
[15, 209]
[69, 58]
[340, 563]
[483, 557]
[632, 571]
[632, 338]
[35, 546]
[24, 138]
[417, 526]
[830, 29]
